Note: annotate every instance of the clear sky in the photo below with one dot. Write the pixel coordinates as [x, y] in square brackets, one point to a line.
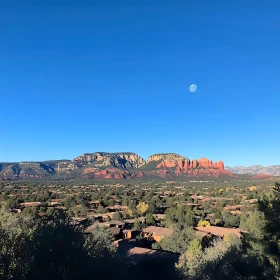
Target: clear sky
[87, 76]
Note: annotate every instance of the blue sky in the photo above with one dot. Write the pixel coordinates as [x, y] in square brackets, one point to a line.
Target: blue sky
[86, 76]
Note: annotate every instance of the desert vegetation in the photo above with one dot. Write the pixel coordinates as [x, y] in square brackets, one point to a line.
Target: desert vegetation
[206, 230]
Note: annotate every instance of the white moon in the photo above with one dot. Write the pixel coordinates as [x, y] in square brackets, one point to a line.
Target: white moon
[193, 88]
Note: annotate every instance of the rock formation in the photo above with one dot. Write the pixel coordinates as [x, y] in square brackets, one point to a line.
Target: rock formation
[118, 160]
[116, 166]
[184, 166]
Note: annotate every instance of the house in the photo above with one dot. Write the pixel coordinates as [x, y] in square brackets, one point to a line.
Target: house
[56, 201]
[18, 195]
[117, 208]
[222, 198]
[30, 204]
[199, 197]
[252, 188]
[156, 233]
[95, 203]
[94, 225]
[115, 223]
[106, 216]
[239, 194]
[15, 210]
[217, 231]
[233, 207]
[252, 201]
[236, 212]
[116, 232]
[130, 222]
[78, 221]
[130, 233]
[187, 203]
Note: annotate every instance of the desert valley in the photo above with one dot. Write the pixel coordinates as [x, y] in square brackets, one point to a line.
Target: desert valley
[139, 213]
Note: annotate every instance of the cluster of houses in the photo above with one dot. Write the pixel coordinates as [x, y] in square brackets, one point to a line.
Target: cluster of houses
[124, 230]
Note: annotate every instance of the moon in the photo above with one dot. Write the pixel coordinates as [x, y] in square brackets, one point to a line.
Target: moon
[193, 88]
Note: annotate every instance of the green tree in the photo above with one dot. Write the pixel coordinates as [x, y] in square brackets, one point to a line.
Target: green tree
[111, 202]
[77, 211]
[219, 261]
[150, 219]
[179, 241]
[51, 248]
[29, 212]
[117, 216]
[137, 225]
[270, 207]
[70, 202]
[99, 243]
[186, 196]
[50, 211]
[100, 210]
[156, 246]
[254, 223]
[12, 203]
[179, 215]
[188, 261]
[189, 219]
[169, 201]
[152, 207]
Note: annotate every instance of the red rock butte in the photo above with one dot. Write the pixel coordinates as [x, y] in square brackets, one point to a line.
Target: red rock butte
[196, 168]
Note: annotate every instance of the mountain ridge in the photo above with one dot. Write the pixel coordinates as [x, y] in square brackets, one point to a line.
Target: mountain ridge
[273, 170]
[115, 165]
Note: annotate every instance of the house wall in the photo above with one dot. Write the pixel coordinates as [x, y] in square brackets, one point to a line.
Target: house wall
[128, 235]
[157, 238]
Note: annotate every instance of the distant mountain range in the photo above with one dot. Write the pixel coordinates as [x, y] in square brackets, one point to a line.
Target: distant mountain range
[273, 170]
[102, 165]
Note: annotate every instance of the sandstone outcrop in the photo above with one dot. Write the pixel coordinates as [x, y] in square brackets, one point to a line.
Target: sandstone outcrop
[119, 160]
[184, 166]
[164, 157]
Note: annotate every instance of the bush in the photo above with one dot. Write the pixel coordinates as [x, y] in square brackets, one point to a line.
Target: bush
[203, 223]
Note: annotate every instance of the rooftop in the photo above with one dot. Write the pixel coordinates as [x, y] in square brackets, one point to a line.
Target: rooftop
[158, 231]
[132, 221]
[115, 222]
[219, 231]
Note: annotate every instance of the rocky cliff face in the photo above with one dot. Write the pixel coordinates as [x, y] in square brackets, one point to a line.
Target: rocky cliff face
[183, 166]
[116, 166]
[186, 164]
[105, 165]
[27, 169]
[119, 160]
[164, 157]
[101, 161]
